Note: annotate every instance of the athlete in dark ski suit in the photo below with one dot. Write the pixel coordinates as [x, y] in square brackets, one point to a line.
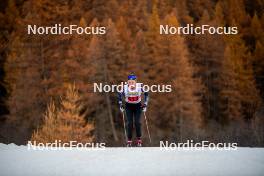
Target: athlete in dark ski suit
[133, 107]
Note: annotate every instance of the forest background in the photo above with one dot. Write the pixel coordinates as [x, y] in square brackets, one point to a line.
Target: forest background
[46, 81]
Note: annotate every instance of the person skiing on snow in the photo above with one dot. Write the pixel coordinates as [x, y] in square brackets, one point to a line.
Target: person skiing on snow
[133, 107]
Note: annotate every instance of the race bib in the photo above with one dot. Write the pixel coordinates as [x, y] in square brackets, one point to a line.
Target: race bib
[133, 99]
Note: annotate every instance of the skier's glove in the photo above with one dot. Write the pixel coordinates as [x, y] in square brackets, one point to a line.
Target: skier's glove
[144, 107]
[121, 107]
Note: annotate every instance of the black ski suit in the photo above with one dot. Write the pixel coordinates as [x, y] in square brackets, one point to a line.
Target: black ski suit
[133, 113]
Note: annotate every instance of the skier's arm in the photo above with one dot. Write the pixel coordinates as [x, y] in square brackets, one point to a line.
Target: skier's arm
[119, 98]
[146, 97]
[121, 106]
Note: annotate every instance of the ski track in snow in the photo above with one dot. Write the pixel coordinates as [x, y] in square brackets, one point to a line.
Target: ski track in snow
[19, 161]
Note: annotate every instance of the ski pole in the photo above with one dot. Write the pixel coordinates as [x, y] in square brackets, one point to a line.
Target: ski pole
[124, 125]
[147, 127]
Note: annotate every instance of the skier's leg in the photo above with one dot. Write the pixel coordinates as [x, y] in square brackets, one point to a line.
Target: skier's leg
[137, 115]
[129, 113]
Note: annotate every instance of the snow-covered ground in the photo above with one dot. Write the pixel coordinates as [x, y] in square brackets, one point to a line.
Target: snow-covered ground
[19, 161]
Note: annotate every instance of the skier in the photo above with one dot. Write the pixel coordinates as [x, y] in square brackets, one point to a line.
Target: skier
[133, 107]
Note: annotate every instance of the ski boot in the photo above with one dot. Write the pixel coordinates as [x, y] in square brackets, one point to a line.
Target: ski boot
[139, 142]
[129, 144]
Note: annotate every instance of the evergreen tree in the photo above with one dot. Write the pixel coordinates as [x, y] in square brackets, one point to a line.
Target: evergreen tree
[207, 53]
[103, 9]
[182, 106]
[240, 55]
[135, 15]
[258, 61]
[230, 92]
[150, 52]
[65, 123]
[109, 52]
[259, 65]
[23, 82]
